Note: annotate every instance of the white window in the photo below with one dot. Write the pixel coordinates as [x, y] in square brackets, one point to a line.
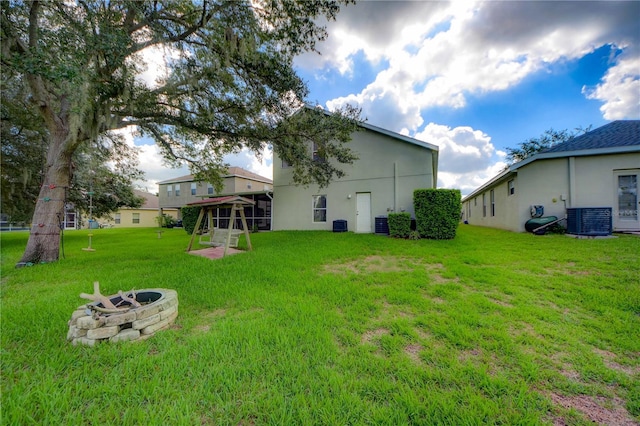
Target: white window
[316, 153]
[511, 187]
[118, 217]
[169, 190]
[209, 189]
[193, 188]
[484, 205]
[177, 190]
[319, 208]
[493, 202]
[136, 218]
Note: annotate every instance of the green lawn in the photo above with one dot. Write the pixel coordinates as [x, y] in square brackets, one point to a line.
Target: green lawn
[333, 328]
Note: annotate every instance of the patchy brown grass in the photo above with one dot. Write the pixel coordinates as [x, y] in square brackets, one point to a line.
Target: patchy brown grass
[207, 318]
[376, 263]
[413, 352]
[608, 357]
[597, 409]
[371, 335]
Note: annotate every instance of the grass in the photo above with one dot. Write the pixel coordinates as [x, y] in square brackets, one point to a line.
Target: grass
[321, 328]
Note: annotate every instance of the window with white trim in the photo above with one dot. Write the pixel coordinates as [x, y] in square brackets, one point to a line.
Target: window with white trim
[169, 190]
[193, 188]
[136, 218]
[484, 205]
[493, 202]
[319, 208]
[511, 187]
[117, 219]
[209, 189]
[316, 153]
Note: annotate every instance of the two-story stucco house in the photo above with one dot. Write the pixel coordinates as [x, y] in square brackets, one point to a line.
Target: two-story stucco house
[389, 168]
[178, 192]
[600, 169]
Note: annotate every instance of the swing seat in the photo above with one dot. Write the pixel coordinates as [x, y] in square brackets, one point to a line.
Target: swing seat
[219, 237]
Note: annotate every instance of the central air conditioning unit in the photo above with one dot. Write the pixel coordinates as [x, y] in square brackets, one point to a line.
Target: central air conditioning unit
[590, 221]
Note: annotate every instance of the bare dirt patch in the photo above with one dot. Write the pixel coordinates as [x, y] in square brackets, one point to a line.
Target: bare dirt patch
[596, 408]
[437, 300]
[439, 279]
[469, 354]
[371, 335]
[208, 317]
[413, 352]
[376, 263]
[394, 311]
[501, 302]
[372, 264]
[607, 359]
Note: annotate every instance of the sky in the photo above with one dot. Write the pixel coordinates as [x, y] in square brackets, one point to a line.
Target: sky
[471, 78]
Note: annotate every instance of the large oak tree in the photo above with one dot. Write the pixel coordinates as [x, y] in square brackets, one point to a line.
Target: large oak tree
[107, 167]
[229, 85]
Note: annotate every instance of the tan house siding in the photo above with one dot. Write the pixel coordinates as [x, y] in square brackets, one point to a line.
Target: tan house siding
[388, 169]
[556, 184]
[143, 217]
[237, 182]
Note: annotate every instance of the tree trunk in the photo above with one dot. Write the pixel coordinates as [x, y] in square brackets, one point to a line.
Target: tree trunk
[49, 214]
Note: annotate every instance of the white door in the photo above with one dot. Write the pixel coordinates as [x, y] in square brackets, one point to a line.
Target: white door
[627, 203]
[363, 212]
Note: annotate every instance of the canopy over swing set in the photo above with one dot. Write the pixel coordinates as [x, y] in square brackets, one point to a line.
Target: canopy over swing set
[214, 236]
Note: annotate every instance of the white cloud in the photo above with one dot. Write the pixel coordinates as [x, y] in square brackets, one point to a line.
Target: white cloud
[462, 149]
[467, 182]
[249, 161]
[466, 158]
[480, 48]
[619, 90]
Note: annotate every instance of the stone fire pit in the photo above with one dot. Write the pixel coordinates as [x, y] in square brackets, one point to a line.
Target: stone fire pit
[132, 316]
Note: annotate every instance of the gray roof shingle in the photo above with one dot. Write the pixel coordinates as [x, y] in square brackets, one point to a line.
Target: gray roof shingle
[615, 134]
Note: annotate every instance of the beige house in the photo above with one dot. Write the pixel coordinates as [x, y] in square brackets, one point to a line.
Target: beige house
[390, 167]
[600, 169]
[178, 192]
[143, 217]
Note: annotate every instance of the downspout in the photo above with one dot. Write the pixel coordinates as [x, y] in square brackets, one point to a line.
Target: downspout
[572, 182]
[434, 165]
[395, 187]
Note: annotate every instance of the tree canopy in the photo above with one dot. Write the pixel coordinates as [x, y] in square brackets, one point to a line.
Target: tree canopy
[107, 167]
[547, 140]
[228, 84]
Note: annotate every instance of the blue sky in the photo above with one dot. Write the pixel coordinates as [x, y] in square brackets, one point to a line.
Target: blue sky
[473, 78]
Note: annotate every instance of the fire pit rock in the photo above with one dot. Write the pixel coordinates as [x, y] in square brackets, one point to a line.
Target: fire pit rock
[158, 310]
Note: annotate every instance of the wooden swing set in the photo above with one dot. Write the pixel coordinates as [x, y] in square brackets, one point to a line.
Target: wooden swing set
[215, 236]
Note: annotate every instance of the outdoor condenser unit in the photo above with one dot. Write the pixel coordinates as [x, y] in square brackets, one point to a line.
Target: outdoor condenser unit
[590, 221]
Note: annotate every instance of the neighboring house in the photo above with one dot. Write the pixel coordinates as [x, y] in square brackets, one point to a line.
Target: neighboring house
[598, 169]
[390, 167]
[143, 217]
[178, 192]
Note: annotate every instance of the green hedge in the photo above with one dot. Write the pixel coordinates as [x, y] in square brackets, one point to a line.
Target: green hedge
[189, 218]
[437, 212]
[399, 224]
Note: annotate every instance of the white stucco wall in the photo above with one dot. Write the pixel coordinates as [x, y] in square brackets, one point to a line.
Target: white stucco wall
[556, 184]
[389, 169]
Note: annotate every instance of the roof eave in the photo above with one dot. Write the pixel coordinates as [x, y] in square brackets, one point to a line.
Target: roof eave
[577, 153]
